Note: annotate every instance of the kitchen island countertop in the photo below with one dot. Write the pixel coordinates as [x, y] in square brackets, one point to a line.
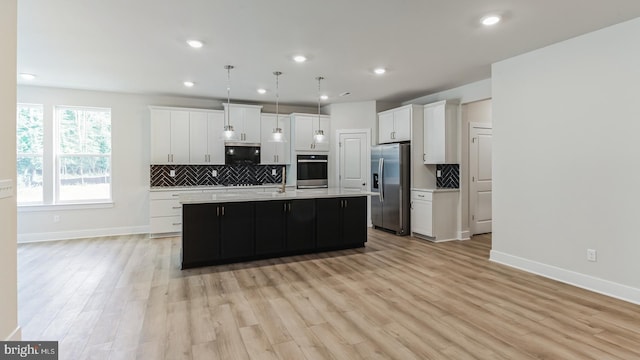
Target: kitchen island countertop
[226, 197]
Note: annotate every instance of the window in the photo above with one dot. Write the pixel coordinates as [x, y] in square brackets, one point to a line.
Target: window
[64, 158]
[83, 154]
[30, 143]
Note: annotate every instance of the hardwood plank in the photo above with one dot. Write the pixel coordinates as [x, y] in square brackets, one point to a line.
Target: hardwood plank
[397, 298]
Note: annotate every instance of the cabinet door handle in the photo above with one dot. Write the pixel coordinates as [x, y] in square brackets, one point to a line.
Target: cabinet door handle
[175, 207]
[217, 210]
[168, 157]
[284, 207]
[289, 205]
[175, 194]
[424, 157]
[346, 203]
[223, 211]
[175, 224]
[411, 204]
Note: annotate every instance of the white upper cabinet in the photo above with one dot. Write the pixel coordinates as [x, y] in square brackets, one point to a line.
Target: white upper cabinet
[441, 133]
[395, 125]
[275, 153]
[305, 127]
[186, 136]
[245, 120]
[169, 136]
[205, 143]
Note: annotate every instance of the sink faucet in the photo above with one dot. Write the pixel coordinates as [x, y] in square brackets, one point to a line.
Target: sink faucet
[284, 179]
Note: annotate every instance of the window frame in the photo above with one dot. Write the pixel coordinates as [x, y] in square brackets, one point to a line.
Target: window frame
[51, 162]
[33, 154]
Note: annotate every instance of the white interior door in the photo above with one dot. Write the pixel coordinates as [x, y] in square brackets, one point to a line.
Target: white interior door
[353, 160]
[481, 179]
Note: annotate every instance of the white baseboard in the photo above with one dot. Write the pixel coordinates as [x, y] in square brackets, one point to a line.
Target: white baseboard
[16, 335]
[464, 235]
[66, 235]
[605, 287]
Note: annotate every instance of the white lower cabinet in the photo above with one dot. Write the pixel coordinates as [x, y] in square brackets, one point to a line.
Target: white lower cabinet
[165, 211]
[434, 214]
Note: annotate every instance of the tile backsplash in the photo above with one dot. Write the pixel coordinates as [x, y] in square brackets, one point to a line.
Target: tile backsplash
[202, 175]
[449, 177]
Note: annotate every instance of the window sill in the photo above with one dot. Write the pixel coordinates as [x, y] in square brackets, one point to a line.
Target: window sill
[62, 207]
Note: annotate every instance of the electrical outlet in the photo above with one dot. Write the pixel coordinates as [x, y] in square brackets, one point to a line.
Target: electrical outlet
[438, 173]
[591, 255]
[214, 173]
[56, 218]
[274, 172]
[172, 173]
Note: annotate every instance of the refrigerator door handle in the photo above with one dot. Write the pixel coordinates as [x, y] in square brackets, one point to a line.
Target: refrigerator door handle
[381, 176]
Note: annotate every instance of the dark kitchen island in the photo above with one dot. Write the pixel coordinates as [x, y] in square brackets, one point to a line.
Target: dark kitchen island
[219, 228]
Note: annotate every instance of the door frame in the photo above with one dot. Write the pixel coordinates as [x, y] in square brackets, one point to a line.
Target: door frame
[471, 185]
[367, 133]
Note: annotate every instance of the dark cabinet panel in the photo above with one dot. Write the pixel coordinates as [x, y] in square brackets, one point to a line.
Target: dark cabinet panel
[227, 232]
[329, 222]
[342, 222]
[202, 230]
[354, 220]
[270, 226]
[237, 230]
[301, 225]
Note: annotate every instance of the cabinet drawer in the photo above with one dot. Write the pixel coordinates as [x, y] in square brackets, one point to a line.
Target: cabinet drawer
[165, 224]
[165, 195]
[422, 195]
[169, 207]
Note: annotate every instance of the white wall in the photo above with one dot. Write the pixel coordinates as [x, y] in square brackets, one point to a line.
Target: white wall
[8, 252]
[566, 161]
[130, 163]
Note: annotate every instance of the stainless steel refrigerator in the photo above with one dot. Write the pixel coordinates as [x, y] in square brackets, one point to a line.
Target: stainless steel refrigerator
[390, 178]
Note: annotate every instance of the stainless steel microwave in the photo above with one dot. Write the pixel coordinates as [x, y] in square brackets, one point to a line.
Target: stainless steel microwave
[312, 171]
[242, 154]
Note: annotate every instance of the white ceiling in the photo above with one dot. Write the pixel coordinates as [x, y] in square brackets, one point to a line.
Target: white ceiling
[138, 46]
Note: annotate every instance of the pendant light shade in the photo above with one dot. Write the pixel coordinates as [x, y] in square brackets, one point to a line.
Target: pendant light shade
[318, 135]
[228, 133]
[277, 135]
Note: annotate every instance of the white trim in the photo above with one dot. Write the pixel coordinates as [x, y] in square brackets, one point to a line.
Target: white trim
[601, 286]
[60, 207]
[16, 335]
[66, 235]
[464, 235]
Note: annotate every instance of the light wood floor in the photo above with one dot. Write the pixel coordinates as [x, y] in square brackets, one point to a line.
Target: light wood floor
[400, 298]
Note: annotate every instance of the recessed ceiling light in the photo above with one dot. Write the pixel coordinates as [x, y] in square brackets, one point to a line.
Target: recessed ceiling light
[380, 71]
[324, 97]
[490, 20]
[188, 83]
[26, 76]
[195, 43]
[300, 58]
[262, 91]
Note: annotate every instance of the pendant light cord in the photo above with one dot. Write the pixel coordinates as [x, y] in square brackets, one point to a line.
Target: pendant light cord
[228, 67]
[320, 78]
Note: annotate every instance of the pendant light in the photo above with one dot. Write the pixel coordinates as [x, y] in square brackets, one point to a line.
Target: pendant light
[277, 135]
[318, 136]
[229, 133]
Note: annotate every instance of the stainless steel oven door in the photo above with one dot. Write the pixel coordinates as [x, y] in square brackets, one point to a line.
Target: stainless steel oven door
[312, 171]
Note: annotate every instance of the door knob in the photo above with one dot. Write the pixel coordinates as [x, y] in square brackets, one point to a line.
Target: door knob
[364, 184]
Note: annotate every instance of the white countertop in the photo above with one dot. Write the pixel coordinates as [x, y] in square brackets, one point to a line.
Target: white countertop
[205, 198]
[436, 190]
[215, 187]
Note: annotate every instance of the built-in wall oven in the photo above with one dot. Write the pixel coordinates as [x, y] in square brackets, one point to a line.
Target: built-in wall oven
[312, 171]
